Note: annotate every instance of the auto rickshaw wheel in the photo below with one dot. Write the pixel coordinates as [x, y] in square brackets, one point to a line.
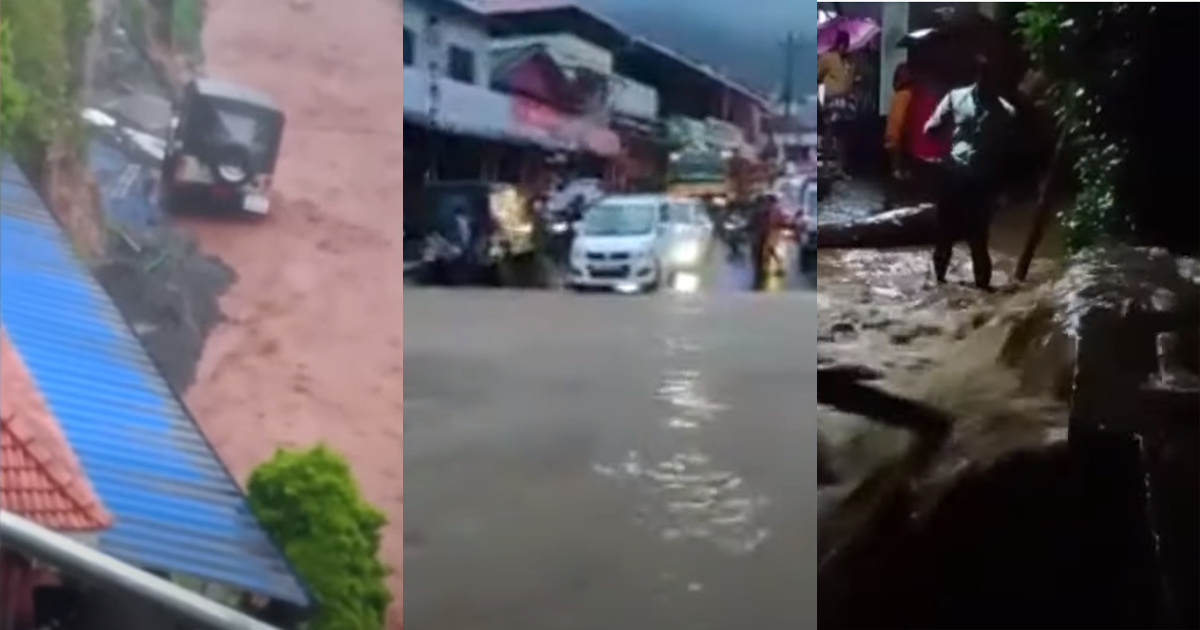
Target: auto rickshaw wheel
[524, 270]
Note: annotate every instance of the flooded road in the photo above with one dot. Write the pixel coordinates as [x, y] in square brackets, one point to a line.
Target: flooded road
[579, 462]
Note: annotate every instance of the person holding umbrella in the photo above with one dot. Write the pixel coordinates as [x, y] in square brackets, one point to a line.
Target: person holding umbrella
[836, 76]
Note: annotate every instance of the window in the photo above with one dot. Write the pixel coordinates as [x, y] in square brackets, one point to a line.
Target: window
[409, 48]
[462, 64]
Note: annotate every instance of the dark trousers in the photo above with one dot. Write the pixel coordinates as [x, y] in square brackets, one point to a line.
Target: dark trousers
[922, 185]
[964, 213]
[759, 239]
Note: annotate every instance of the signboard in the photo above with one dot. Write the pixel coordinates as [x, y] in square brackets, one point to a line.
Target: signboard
[572, 132]
[697, 166]
[683, 132]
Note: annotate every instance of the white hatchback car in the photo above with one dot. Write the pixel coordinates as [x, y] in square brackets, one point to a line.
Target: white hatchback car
[636, 242]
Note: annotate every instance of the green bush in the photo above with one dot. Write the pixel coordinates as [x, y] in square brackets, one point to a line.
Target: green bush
[310, 504]
[44, 56]
[12, 97]
[1094, 54]
[187, 21]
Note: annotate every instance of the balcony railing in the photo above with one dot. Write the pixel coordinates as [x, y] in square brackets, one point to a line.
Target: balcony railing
[78, 560]
[633, 99]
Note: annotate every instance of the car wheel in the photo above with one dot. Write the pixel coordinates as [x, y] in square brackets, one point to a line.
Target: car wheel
[506, 273]
[654, 285]
[230, 164]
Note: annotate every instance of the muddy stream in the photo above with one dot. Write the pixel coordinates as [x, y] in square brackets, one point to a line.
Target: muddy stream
[311, 346]
[906, 530]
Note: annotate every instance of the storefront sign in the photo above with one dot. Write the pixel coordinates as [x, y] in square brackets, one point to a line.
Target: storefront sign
[697, 166]
[572, 132]
[686, 132]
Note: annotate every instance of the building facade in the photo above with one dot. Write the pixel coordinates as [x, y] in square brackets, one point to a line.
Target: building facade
[637, 88]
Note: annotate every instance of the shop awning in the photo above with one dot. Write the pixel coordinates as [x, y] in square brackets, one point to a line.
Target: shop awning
[176, 509]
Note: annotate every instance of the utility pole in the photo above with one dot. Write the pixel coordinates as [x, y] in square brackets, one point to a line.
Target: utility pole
[789, 73]
[433, 41]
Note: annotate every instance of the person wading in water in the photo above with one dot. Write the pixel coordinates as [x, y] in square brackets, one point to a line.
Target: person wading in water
[977, 117]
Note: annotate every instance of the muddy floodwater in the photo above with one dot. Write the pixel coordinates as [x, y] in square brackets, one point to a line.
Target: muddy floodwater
[883, 307]
[311, 347]
[907, 519]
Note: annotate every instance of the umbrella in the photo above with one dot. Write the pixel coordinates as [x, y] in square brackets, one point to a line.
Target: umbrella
[862, 32]
[922, 36]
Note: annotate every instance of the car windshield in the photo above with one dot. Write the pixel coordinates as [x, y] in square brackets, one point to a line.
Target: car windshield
[620, 218]
[678, 213]
[225, 122]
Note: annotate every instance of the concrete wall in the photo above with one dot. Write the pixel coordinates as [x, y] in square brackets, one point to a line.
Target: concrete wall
[455, 29]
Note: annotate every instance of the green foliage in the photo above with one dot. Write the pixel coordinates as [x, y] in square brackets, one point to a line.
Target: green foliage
[187, 21]
[13, 102]
[310, 504]
[45, 45]
[1088, 52]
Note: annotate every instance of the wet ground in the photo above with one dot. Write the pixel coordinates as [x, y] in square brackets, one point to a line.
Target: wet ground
[603, 461]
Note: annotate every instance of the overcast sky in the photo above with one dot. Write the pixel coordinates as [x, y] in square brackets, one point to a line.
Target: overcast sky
[743, 37]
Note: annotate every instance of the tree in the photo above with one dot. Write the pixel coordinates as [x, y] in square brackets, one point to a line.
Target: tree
[1109, 67]
[12, 96]
[310, 504]
[42, 54]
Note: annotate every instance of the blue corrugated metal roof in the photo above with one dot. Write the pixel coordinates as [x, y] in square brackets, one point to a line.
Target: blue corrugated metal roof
[176, 507]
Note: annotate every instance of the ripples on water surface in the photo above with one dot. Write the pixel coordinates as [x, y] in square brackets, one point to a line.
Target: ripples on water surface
[694, 496]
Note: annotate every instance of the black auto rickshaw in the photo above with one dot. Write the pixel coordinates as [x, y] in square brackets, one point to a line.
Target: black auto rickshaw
[222, 149]
[476, 232]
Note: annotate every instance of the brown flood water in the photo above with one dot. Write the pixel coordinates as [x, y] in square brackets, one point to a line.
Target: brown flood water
[313, 346]
[888, 301]
[939, 344]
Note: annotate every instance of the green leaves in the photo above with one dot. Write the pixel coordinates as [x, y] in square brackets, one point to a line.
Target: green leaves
[42, 49]
[13, 100]
[310, 504]
[1087, 51]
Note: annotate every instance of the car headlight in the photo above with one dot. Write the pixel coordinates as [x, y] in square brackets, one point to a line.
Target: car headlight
[686, 253]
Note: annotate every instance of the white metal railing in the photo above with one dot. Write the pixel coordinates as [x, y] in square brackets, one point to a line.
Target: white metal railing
[83, 562]
[633, 99]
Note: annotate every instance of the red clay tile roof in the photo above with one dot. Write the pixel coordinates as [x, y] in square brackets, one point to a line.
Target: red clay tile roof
[40, 478]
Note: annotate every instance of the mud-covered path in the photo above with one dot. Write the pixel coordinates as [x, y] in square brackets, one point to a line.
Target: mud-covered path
[312, 349]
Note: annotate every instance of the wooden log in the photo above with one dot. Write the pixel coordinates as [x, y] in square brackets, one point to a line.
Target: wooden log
[846, 388]
[895, 229]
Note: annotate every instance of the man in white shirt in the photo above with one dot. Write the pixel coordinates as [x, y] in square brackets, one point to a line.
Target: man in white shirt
[977, 117]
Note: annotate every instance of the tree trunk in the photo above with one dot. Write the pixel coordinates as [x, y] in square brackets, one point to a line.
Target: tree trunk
[904, 227]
